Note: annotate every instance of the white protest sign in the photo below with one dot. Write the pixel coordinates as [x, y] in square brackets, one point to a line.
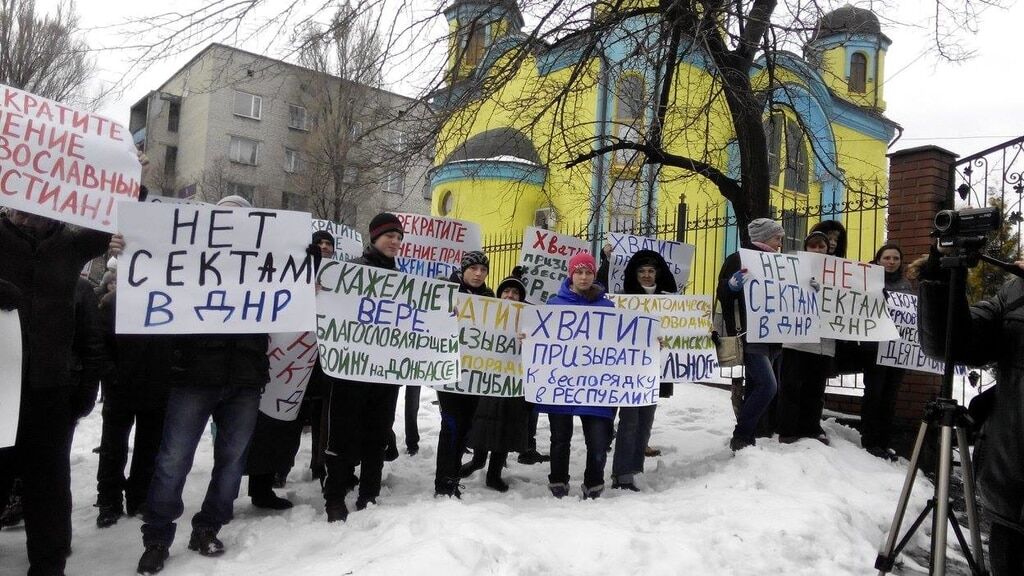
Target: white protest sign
[851, 302]
[348, 243]
[678, 256]
[545, 256]
[292, 356]
[10, 376]
[172, 200]
[687, 352]
[213, 270]
[590, 356]
[62, 163]
[386, 327]
[490, 350]
[906, 351]
[781, 304]
[433, 247]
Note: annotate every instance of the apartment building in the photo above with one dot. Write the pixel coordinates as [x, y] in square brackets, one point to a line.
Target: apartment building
[234, 122]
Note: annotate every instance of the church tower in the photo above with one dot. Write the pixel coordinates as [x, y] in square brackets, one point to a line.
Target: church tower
[848, 50]
[474, 26]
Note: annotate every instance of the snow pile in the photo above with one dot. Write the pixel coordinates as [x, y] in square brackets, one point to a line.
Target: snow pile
[803, 508]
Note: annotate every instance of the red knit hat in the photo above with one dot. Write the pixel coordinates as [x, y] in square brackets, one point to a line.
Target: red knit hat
[582, 260]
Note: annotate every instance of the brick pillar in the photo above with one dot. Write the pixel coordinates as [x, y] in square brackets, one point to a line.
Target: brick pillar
[920, 184]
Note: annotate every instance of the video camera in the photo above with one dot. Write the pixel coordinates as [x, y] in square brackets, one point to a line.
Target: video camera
[966, 228]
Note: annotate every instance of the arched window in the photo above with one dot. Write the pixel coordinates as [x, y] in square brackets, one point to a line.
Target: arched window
[858, 73]
[474, 44]
[796, 158]
[773, 126]
[629, 113]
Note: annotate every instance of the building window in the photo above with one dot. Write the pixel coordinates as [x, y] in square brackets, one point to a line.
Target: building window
[248, 105]
[447, 203]
[356, 129]
[247, 191]
[475, 43]
[173, 116]
[858, 73]
[350, 175]
[394, 182]
[349, 213]
[244, 151]
[170, 161]
[297, 117]
[623, 195]
[293, 201]
[292, 161]
[629, 114]
[794, 226]
[796, 158]
[773, 132]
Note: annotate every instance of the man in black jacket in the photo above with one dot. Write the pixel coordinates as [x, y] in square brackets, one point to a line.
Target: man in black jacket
[218, 376]
[40, 262]
[983, 333]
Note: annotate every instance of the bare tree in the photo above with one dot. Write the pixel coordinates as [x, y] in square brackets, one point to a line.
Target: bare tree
[43, 54]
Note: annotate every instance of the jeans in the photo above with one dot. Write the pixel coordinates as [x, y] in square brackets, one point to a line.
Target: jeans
[761, 364]
[457, 412]
[1006, 551]
[118, 418]
[597, 433]
[189, 408]
[631, 438]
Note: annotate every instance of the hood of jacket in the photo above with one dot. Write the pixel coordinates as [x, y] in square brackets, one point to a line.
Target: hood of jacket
[665, 283]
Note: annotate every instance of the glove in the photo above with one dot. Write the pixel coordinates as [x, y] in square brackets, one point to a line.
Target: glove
[314, 252]
[10, 296]
[816, 285]
[736, 281]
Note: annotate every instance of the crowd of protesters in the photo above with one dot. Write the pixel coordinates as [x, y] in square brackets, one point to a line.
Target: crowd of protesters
[170, 386]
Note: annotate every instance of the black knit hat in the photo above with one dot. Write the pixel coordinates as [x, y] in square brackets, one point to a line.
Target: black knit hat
[383, 223]
[473, 258]
[322, 235]
[512, 282]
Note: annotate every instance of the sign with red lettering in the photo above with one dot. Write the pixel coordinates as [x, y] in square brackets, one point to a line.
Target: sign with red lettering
[63, 163]
[545, 255]
[213, 270]
[348, 243]
[292, 356]
[433, 247]
[678, 256]
[852, 301]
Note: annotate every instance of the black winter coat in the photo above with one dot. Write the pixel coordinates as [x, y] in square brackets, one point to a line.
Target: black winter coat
[501, 425]
[225, 360]
[665, 283]
[142, 364]
[989, 331]
[45, 270]
[731, 302]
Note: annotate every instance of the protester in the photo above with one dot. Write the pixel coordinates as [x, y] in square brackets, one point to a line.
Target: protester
[360, 413]
[987, 332]
[836, 234]
[805, 370]
[500, 425]
[457, 410]
[760, 360]
[646, 273]
[882, 383]
[218, 376]
[579, 289]
[530, 456]
[40, 261]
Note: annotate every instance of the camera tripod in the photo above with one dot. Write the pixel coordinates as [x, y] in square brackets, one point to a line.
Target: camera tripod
[949, 419]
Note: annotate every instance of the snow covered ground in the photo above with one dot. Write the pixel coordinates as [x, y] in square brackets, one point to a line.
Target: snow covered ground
[796, 509]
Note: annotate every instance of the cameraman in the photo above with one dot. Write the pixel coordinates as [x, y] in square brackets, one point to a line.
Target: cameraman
[986, 332]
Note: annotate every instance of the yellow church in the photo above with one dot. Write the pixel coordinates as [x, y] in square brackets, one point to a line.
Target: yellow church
[521, 111]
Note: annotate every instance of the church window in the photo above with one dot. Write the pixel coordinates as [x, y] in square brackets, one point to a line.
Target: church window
[629, 114]
[858, 73]
[796, 158]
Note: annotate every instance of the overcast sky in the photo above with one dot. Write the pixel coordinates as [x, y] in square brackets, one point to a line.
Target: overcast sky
[963, 107]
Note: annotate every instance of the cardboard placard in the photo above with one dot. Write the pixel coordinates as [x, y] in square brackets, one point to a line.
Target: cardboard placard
[545, 255]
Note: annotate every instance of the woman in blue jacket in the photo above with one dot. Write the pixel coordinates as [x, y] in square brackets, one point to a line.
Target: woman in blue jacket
[579, 289]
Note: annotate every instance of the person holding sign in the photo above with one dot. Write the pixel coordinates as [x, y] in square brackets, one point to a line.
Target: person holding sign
[760, 360]
[457, 410]
[805, 369]
[646, 273]
[579, 289]
[882, 383]
[324, 241]
[361, 413]
[500, 425]
[40, 261]
[218, 377]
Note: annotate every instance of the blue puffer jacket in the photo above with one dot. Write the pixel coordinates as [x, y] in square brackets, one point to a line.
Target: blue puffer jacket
[566, 297]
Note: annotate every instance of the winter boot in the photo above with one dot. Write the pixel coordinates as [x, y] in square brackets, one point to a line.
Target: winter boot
[449, 487]
[616, 485]
[592, 492]
[737, 443]
[13, 512]
[109, 515]
[280, 479]
[559, 489]
[531, 457]
[477, 463]
[651, 452]
[262, 494]
[336, 510]
[205, 541]
[494, 480]
[152, 560]
[363, 501]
